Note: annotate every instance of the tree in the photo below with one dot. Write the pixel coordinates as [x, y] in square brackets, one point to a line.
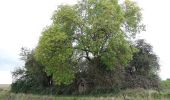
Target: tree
[144, 67]
[31, 77]
[98, 32]
[145, 62]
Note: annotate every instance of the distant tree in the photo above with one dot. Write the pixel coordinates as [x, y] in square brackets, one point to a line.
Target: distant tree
[97, 32]
[165, 84]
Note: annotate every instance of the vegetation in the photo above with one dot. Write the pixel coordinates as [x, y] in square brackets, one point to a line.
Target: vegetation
[142, 71]
[94, 32]
[165, 84]
[89, 49]
[137, 94]
[31, 78]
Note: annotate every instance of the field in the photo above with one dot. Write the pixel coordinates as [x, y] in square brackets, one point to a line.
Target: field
[137, 94]
[5, 86]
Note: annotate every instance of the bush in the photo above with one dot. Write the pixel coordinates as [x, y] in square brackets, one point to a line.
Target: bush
[165, 84]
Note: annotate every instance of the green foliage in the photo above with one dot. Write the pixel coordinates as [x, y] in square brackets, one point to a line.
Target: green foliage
[145, 61]
[90, 29]
[142, 71]
[31, 78]
[165, 84]
[88, 48]
[54, 51]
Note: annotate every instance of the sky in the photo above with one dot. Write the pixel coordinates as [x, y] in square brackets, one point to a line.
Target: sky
[22, 21]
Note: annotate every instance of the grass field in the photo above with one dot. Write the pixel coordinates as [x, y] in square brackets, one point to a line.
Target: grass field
[4, 86]
[137, 94]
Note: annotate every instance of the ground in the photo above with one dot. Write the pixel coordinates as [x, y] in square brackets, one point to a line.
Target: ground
[135, 94]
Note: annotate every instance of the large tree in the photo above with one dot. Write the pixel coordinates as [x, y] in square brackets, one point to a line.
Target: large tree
[97, 32]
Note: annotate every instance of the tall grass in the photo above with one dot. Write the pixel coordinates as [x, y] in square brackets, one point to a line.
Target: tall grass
[135, 94]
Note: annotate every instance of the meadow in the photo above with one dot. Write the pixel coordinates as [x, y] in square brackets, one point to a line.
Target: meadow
[130, 94]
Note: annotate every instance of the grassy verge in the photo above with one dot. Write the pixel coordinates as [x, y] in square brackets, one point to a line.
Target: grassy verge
[137, 94]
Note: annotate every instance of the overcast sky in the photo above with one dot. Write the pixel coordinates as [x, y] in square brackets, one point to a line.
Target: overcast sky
[21, 23]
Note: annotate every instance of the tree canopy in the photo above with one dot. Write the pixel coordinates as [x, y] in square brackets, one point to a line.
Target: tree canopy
[89, 47]
[142, 71]
[88, 30]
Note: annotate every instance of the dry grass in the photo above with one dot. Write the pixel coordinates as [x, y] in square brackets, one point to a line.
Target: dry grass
[4, 86]
[137, 94]
[11, 96]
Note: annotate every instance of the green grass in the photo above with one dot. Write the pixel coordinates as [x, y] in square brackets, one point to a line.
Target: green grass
[136, 94]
